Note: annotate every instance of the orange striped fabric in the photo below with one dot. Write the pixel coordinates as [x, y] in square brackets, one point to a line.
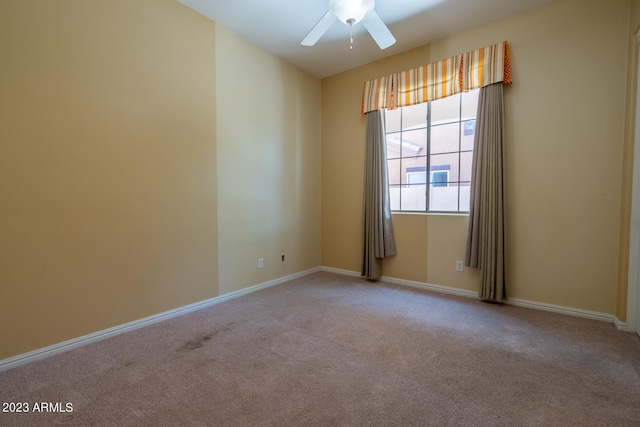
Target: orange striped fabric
[437, 80]
[429, 82]
[486, 66]
[378, 94]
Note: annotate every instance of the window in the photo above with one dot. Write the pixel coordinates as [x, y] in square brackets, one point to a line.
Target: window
[429, 154]
[416, 176]
[439, 178]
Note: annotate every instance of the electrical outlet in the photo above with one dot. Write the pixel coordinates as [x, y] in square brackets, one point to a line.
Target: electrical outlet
[260, 262]
[459, 266]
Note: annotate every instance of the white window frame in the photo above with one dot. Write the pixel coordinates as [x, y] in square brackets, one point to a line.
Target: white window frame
[412, 152]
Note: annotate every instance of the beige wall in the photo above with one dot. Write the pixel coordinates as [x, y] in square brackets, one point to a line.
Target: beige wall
[564, 152]
[268, 134]
[107, 166]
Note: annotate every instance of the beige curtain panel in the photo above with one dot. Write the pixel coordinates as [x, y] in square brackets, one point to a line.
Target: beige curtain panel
[486, 239]
[378, 239]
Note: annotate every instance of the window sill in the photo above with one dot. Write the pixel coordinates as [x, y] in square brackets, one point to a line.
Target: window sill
[431, 213]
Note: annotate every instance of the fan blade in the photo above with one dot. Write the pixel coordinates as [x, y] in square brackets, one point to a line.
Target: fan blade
[319, 29]
[378, 30]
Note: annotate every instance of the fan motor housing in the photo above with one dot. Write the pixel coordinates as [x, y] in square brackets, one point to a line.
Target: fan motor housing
[351, 12]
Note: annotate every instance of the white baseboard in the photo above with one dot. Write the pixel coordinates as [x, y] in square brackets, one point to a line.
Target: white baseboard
[340, 271]
[430, 287]
[610, 318]
[621, 325]
[42, 353]
[408, 283]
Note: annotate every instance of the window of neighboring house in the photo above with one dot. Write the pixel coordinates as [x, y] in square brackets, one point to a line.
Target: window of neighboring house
[439, 178]
[416, 176]
[429, 154]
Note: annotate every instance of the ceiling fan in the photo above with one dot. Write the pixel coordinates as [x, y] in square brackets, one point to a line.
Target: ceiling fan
[351, 12]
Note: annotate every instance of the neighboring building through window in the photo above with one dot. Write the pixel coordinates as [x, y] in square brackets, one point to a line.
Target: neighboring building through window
[429, 154]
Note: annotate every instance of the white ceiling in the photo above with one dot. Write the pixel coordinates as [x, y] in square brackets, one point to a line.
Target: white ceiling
[279, 25]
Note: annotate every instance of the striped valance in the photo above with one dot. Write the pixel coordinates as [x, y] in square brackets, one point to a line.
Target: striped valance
[486, 66]
[378, 94]
[440, 79]
[428, 82]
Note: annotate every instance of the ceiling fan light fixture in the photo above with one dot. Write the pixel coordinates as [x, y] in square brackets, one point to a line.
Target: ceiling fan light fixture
[351, 12]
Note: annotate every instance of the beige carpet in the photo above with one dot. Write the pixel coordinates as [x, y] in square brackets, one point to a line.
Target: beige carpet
[330, 350]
